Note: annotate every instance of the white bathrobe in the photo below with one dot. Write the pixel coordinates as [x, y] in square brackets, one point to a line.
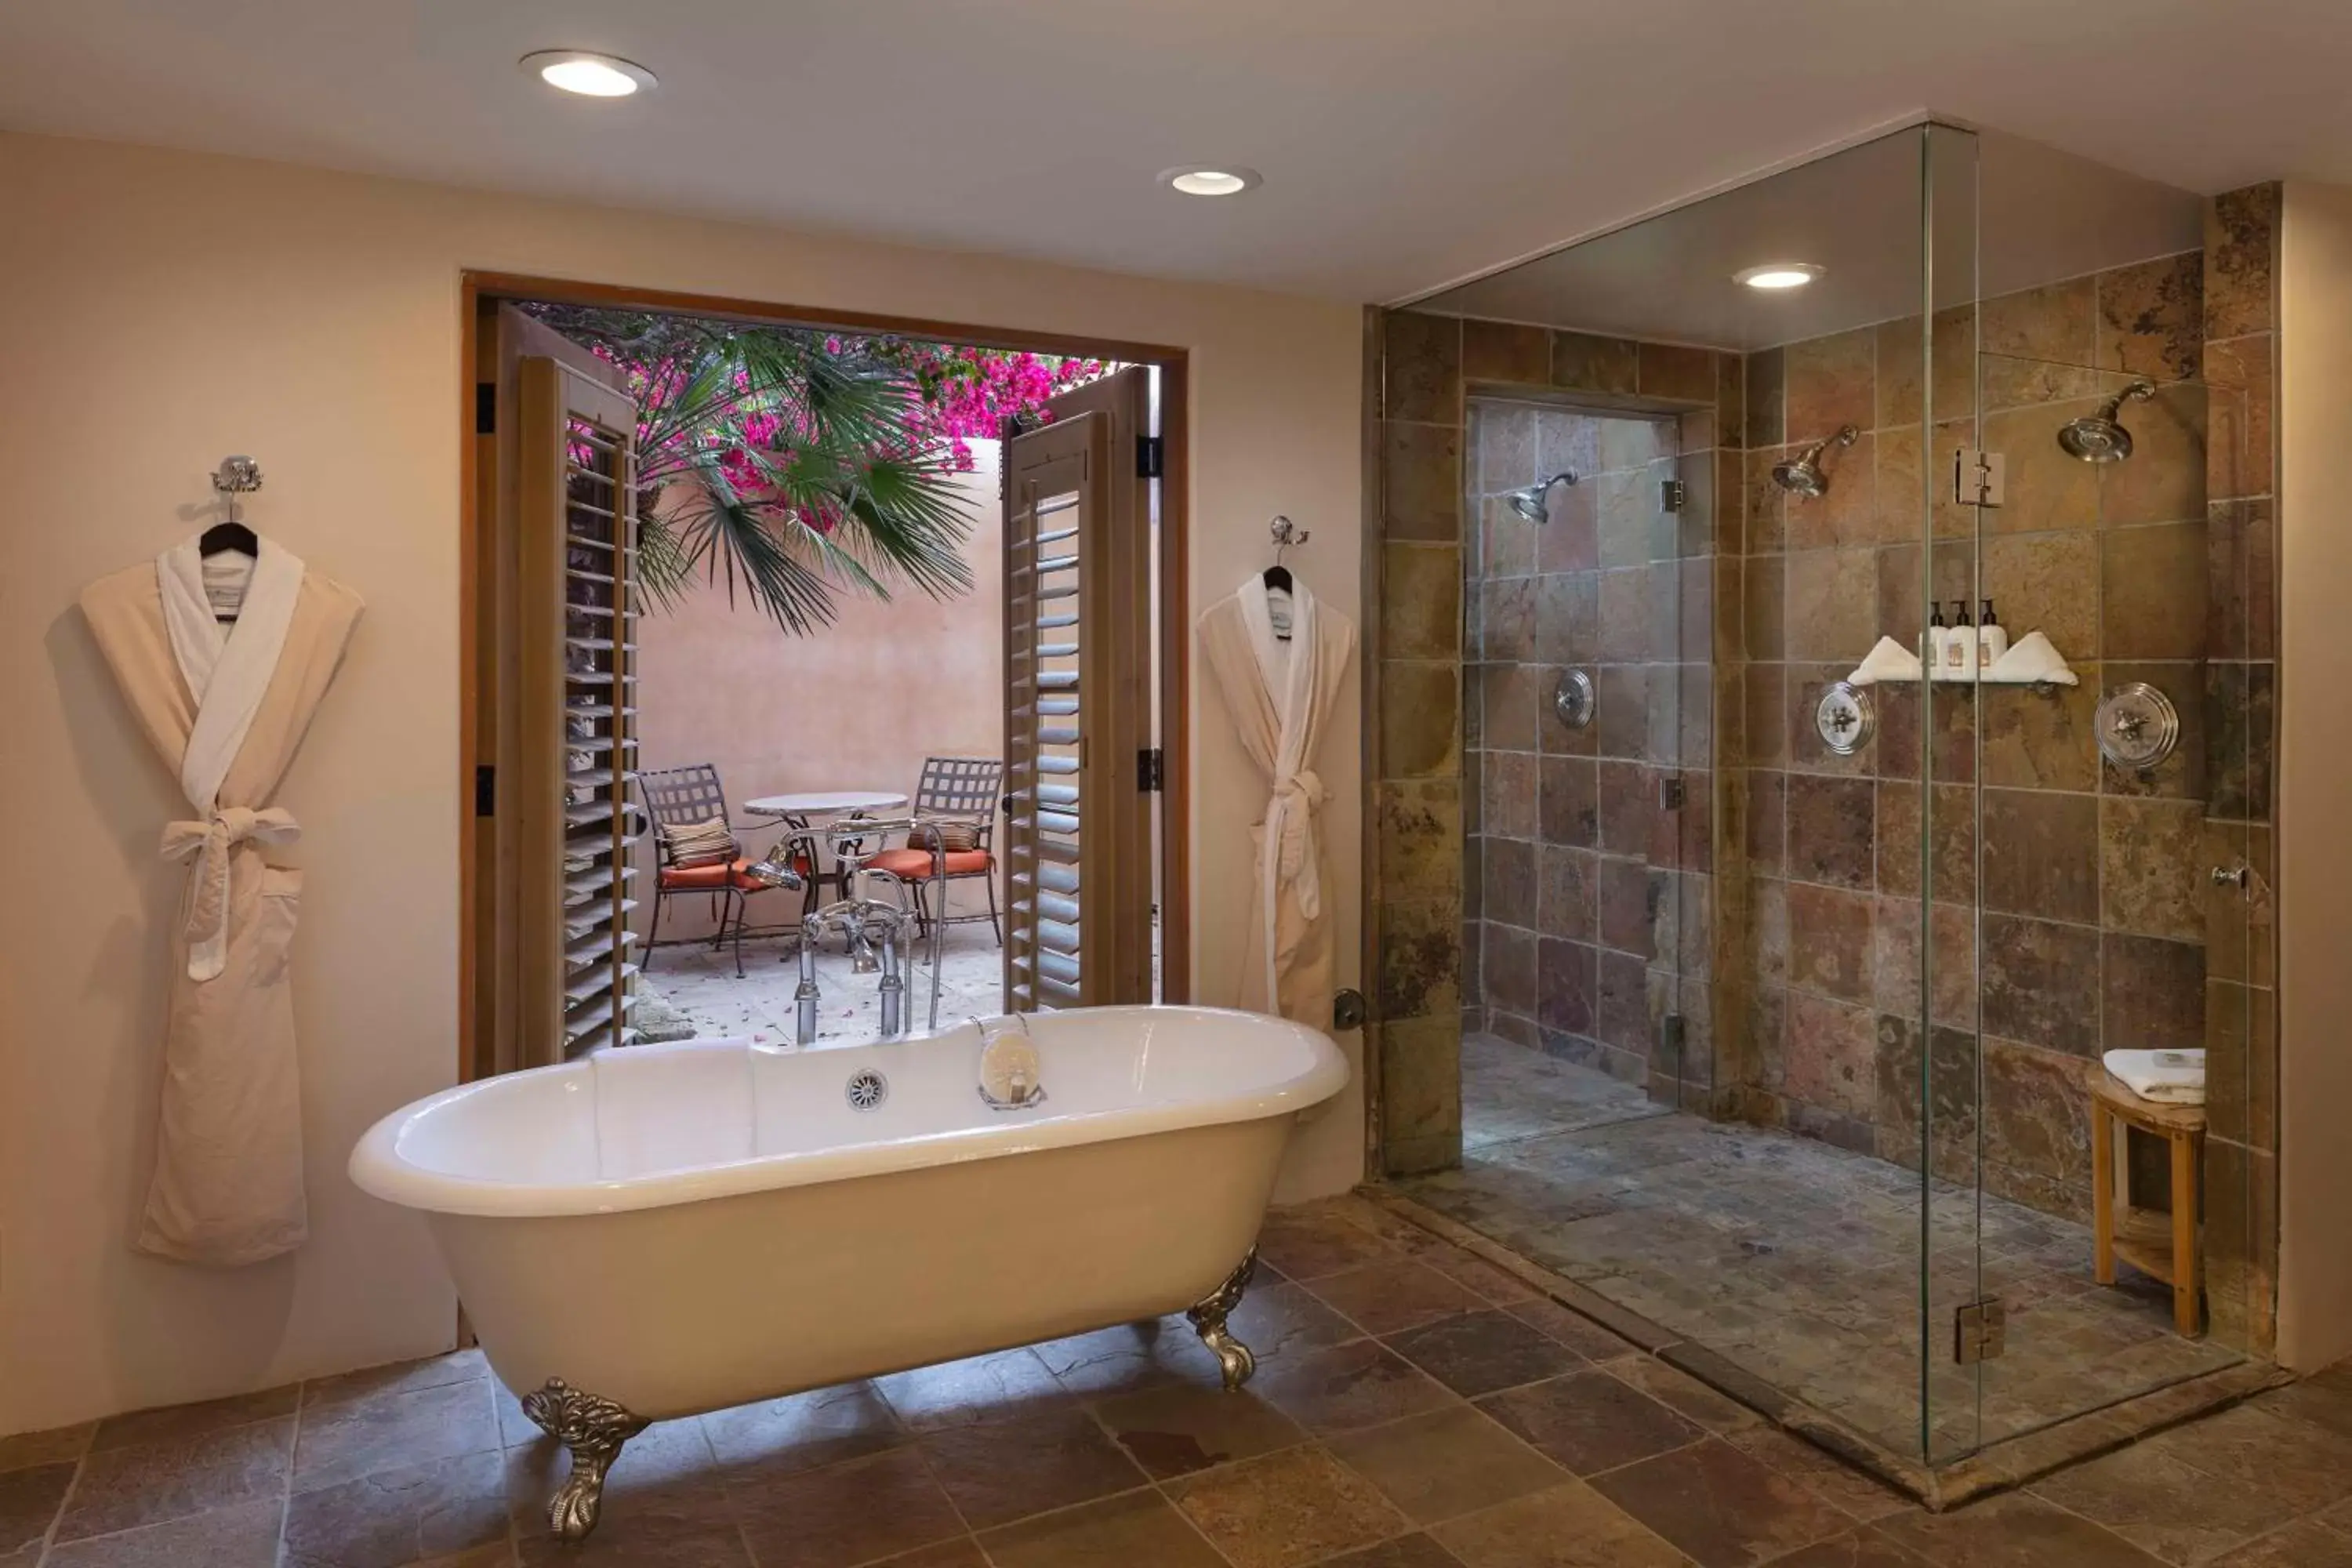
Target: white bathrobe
[1280, 692]
[226, 707]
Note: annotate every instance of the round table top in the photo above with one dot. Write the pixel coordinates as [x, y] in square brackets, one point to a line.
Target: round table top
[826, 803]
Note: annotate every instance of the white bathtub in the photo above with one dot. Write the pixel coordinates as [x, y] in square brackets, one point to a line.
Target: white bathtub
[670, 1229]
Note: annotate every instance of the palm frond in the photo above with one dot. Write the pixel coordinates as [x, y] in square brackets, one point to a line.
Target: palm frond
[785, 470]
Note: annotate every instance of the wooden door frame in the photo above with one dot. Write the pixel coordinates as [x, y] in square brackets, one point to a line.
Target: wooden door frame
[1175, 606]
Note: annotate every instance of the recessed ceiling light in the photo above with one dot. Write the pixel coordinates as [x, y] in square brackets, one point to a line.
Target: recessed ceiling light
[1775, 275]
[589, 75]
[1201, 180]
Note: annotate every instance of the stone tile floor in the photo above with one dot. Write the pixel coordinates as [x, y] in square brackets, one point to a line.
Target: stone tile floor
[1799, 1261]
[1509, 1092]
[1414, 1408]
[701, 985]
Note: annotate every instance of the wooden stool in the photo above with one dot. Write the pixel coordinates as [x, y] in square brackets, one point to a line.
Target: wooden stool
[2142, 1236]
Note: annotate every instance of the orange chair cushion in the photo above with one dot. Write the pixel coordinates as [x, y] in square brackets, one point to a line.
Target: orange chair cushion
[915, 865]
[713, 877]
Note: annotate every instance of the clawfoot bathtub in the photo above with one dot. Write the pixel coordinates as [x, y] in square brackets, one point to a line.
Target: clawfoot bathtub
[665, 1230]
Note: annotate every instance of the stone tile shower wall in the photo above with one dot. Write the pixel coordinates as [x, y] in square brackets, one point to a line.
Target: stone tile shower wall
[2240, 317]
[2091, 913]
[1588, 911]
[1414, 843]
[1603, 987]
[2100, 925]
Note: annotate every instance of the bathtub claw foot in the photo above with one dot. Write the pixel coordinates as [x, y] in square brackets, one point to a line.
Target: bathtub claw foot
[593, 1429]
[1208, 1316]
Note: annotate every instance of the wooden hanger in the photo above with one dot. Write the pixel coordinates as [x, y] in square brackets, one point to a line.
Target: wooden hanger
[222, 538]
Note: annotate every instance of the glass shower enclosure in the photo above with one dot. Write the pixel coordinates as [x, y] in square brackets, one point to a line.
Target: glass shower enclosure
[1797, 915]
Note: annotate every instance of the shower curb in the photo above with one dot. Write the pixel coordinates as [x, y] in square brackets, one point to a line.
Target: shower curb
[1997, 1467]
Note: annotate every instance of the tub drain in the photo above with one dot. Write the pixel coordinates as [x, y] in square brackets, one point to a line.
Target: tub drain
[867, 1090]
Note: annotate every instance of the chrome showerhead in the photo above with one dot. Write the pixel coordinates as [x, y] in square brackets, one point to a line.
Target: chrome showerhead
[2100, 437]
[1803, 477]
[1530, 503]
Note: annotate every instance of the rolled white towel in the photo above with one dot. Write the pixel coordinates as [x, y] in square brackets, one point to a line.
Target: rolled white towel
[2032, 658]
[2170, 1078]
[1887, 660]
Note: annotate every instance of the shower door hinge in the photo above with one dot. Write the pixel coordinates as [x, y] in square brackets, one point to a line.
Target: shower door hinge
[1150, 456]
[1671, 794]
[1672, 493]
[1977, 477]
[1980, 1331]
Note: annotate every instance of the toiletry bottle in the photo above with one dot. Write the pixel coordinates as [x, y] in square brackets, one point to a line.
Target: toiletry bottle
[1992, 639]
[1931, 652]
[1961, 644]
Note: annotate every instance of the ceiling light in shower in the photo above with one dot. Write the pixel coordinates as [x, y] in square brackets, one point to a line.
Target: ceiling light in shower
[1201, 180]
[1775, 276]
[589, 75]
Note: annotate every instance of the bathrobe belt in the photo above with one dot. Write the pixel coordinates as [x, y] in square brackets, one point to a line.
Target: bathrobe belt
[1290, 856]
[207, 845]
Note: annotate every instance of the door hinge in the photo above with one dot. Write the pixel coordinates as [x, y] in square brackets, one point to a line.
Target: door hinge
[1671, 793]
[1979, 1330]
[1151, 770]
[1150, 456]
[1979, 477]
[486, 790]
[486, 408]
[1672, 493]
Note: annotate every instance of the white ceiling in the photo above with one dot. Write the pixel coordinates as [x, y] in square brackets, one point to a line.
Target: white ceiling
[1404, 145]
[2007, 215]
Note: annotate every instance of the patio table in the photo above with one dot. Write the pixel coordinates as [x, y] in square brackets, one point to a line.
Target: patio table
[797, 811]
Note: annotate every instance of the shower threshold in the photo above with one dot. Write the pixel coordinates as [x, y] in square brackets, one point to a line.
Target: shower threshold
[1784, 1273]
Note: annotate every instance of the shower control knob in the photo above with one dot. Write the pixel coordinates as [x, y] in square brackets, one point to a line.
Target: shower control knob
[2232, 877]
[1845, 718]
[1573, 702]
[2138, 726]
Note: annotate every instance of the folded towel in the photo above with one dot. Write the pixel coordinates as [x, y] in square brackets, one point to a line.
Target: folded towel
[2171, 1077]
[1887, 660]
[2031, 657]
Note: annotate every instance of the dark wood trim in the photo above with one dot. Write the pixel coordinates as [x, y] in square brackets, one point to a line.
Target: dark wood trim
[479, 289]
[1370, 580]
[470, 476]
[572, 291]
[1176, 679]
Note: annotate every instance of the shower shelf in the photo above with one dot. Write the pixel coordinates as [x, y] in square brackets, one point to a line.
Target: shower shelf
[2044, 679]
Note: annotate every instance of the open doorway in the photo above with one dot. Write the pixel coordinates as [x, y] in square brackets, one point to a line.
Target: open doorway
[777, 620]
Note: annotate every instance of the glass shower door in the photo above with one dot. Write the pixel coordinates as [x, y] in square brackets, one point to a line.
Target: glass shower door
[2100, 791]
[1941, 1059]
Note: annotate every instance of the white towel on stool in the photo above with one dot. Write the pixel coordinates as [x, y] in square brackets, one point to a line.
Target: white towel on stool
[2169, 1078]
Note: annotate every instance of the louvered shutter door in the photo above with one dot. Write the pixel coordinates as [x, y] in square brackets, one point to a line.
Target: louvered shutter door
[578, 543]
[1053, 496]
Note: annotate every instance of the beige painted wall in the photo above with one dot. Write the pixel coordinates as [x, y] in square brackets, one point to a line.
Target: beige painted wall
[2315, 877]
[162, 309]
[856, 705]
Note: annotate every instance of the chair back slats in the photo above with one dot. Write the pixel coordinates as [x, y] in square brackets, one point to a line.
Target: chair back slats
[961, 786]
[684, 797]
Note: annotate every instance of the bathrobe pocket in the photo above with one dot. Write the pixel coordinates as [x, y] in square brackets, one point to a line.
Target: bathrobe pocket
[280, 909]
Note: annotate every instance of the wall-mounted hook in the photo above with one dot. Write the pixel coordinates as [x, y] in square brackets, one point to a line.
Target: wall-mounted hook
[1286, 533]
[238, 475]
